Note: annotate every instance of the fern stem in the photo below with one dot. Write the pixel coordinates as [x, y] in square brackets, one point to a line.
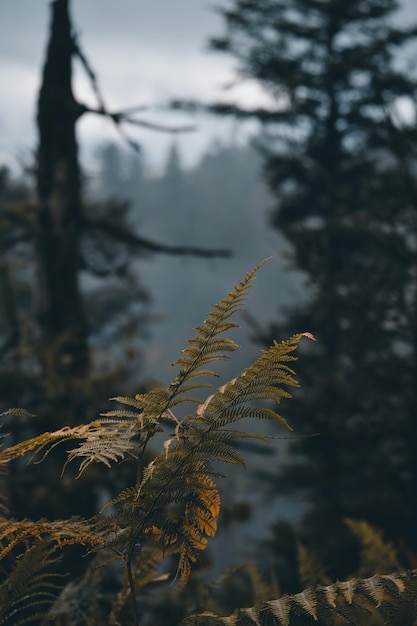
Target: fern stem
[139, 468]
[132, 587]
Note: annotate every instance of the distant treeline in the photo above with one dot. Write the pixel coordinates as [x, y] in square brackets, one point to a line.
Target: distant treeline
[221, 202]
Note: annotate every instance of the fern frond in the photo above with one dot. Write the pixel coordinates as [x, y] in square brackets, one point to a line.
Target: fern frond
[376, 554]
[144, 570]
[45, 442]
[310, 569]
[100, 444]
[208, 345]
[175, 502]
[263, 380]
[73, 531]
[127, 496]
[389, 599]
[31, 585]
[107, 445]
[199, 522]
[175, 475]
[135, 402]
[19, 412]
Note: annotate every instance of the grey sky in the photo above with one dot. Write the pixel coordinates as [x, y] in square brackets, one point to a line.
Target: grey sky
[144, 51]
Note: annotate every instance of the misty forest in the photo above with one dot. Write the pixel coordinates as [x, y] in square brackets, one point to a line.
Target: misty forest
[208, 371]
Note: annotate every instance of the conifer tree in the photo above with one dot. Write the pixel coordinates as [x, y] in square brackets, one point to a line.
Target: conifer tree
[340, 158]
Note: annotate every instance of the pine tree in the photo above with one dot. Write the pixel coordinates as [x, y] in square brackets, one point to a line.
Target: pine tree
[340, 158]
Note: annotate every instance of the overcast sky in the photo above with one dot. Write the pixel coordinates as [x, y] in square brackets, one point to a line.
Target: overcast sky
[144, 52]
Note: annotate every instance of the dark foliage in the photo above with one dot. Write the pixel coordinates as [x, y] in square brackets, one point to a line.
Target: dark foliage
[340, 156]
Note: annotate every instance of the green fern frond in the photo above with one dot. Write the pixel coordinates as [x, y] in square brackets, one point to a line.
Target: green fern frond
[389, 599]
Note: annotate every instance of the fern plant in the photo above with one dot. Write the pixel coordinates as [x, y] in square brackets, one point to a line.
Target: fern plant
[31, 586]
[173, 506]
[381, 599]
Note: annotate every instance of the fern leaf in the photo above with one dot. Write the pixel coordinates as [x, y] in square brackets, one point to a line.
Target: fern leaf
[175, 475]
[18, 412]
[375, 589]
[74, 531]
[397, 580]
[348, 588]
[250, 616]
[308, 602]
[310, 569]
[392, 597]
[135, 402]
[207, 346]
[261, 381]
[31, 584]
[376, 555]
[281, 610]
[128, 416]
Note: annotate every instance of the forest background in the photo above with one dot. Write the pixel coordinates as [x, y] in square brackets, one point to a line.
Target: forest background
[141, 303]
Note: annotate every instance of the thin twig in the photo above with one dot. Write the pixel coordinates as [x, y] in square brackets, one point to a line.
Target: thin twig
[123, 116]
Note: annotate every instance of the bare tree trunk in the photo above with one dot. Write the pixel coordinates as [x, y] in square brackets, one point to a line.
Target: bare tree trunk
[59, 308]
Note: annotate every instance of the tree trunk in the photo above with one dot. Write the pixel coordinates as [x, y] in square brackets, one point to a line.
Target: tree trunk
[59, 307]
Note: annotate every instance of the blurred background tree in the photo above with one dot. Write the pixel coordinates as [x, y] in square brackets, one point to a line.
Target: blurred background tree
[340, 148]
[53, 248]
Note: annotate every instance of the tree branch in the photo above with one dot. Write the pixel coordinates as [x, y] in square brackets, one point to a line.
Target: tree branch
[123, 116]
[119, 117]
[233, 110]
[145, 244]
